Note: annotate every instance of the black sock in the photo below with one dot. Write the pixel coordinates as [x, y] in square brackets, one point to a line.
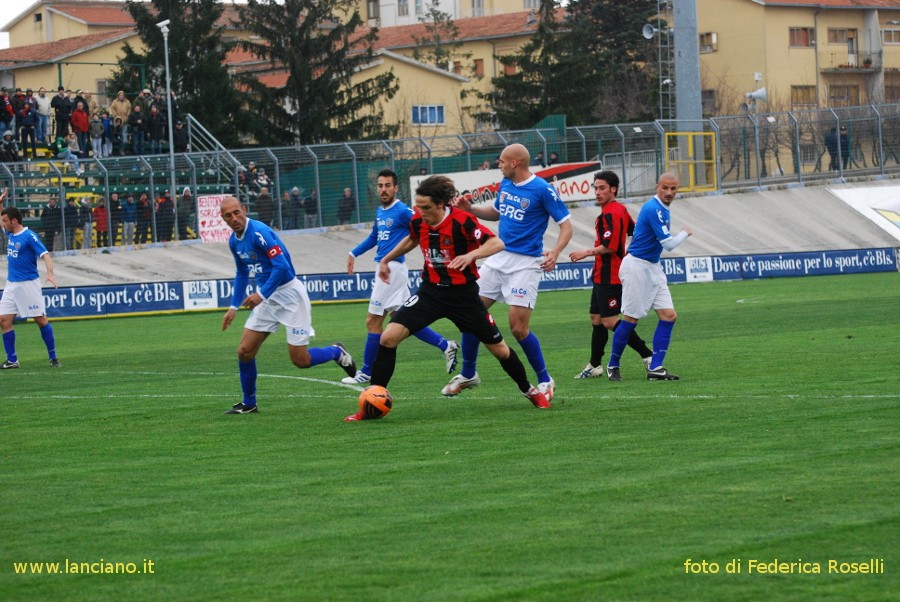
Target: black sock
[383, 366]
[599, 337]
[516, 370]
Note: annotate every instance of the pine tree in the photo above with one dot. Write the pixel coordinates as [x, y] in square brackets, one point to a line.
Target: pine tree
[324, 97]
[440, 47]
[547, 78]
[591, 66]
[197, 51]
[624, 62]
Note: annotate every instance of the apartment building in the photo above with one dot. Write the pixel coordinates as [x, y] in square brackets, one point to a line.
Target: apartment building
[807, 53]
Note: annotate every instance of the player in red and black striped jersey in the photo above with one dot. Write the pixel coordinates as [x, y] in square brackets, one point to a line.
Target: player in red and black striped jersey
[457, 234]
[613, 226]
[451, 240]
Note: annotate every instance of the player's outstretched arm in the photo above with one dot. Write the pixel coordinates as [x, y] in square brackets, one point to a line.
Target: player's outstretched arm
[48, 263]
[491, 246]
[384, 272]
[228, 318]
[403, 247]
[565, 235]
[351, 261]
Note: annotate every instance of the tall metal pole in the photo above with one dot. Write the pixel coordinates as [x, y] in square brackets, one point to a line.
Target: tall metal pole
[164, 27]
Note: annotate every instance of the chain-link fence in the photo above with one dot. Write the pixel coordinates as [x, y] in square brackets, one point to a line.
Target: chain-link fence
[330, 184]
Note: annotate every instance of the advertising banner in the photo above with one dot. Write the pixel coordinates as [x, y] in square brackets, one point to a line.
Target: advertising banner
[573, 181]
[153, 297]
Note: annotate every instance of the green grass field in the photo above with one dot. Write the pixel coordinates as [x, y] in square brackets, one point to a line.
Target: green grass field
[780, 442]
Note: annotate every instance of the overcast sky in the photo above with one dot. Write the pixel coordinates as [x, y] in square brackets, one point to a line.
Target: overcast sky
[8, 11]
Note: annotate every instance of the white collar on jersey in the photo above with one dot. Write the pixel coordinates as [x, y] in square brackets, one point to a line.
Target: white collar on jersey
[530, 177]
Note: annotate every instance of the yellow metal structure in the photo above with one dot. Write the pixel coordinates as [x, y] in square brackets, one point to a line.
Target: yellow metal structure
[692, 155]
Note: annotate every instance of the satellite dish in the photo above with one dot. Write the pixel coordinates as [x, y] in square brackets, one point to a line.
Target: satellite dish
[649, 31]
[757, 95]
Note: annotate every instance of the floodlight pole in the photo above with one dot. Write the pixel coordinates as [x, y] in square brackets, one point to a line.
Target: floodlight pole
[164, 28]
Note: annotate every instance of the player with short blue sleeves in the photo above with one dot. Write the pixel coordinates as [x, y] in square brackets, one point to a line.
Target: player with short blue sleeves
[391, 226]
[524, 205]
[644, 284]
[22, 295]
[280, 298]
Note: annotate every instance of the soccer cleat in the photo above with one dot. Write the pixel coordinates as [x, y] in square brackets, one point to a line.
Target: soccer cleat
[354, 417]
[451, 355]
[660, 374]
[458, 383]
[358, 379]
[613, 374]
[345, 360]
[548, 389]
[8, 365]
[54, 363]
[590, 372]
[240, 408]
[647, 361]
[538, 398]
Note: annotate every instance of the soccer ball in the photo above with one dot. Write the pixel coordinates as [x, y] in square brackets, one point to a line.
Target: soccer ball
[375, 402]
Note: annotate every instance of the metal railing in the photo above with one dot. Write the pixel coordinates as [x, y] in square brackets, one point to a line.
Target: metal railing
[306, 183]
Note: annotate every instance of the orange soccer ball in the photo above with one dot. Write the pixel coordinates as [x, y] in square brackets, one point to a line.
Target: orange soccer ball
[375, 402]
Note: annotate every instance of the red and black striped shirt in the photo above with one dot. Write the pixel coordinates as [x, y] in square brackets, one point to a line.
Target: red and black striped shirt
[457, 234]
[613, 226]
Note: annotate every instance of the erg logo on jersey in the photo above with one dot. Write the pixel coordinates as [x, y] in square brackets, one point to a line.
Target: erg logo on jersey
[512, 212]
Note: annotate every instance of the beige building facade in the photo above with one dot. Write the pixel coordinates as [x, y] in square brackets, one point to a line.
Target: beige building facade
[77, 45]
[807, 54]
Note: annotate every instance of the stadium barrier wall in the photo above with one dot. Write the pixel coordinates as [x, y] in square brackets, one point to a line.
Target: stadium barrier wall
[197, 295]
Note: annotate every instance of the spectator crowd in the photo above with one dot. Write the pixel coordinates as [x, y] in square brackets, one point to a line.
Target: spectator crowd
[75, 125]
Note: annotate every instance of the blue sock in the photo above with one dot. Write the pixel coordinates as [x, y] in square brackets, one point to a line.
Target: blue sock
[470, 354]
[532, 348]
[620, 341]
[320, 355]
[247, 371]
[47, 335]
[369, 353]
[426, 335]
[9, 343]
[661, 339]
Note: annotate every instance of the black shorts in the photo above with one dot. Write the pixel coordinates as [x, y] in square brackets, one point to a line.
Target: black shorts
[458, 303]
[606, 300]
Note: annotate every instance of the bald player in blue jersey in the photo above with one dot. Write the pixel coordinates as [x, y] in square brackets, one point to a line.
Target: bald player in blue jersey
[391, 226]
[644, 284]
[280, 298]
[524, 205]
[22, 295]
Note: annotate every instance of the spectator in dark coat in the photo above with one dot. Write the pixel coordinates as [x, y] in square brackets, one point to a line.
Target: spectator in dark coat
[180, 137]
[265, 206]
[346, 207]
[51, 221]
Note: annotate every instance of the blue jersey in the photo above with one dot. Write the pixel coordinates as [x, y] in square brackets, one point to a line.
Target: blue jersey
[259, 252]
[651, 228]
[390, 227]
[524, 210]
[22, 253]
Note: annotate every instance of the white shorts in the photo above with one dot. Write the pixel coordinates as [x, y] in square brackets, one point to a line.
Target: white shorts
[288, 305]
[644, 287]
[510, 278]
[389, 297]
[23, 299]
